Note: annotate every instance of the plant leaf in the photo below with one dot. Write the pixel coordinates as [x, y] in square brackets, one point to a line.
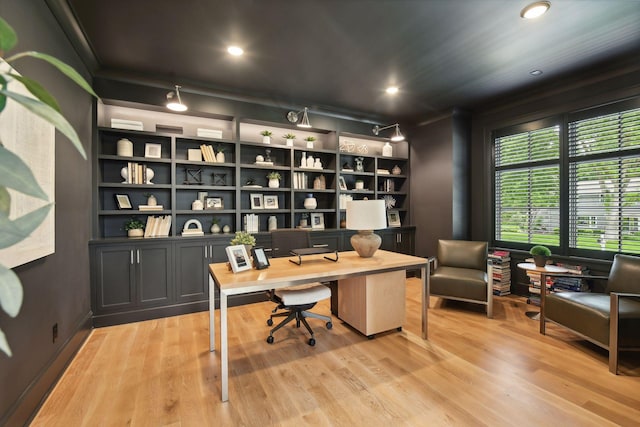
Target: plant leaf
[4, 344]
[3, 99]
[8, 37]
[10, 291]
[64, 69]
[49, 114]
[12, 232]
[5, 201]
[14, 173]
[38, 91]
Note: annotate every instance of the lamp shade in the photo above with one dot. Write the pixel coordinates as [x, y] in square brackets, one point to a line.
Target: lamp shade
[366, 215]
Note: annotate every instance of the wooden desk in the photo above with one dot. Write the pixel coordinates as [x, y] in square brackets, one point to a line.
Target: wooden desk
[283, 274]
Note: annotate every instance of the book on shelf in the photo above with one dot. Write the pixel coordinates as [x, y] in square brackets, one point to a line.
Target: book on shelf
[150, 207]
[157, 226]
[251, 223]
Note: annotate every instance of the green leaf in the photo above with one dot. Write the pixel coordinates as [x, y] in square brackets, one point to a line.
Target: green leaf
[5, 201]
[8, 37]
[38, 91]
[14, 173]
[64, 68]
[12, 232]
[4, 344]
[3, 99]
[10, 292]
[49, 114]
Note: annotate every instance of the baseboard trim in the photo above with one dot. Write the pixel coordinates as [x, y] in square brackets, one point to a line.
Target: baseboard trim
[27, 405]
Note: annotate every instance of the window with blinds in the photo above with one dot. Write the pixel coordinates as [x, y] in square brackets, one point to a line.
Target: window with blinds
[527, 187]
[604, 182]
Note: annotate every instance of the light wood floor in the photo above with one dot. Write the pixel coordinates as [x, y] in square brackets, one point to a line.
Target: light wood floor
[472, 371]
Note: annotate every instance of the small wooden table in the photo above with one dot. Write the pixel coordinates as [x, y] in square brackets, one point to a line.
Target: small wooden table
[535, 315]
[283, 274]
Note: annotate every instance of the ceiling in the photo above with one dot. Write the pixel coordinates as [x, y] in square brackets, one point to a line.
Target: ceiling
[339, 55]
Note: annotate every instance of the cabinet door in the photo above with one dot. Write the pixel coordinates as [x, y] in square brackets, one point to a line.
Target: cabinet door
[405, 242]
[114, 278]
[192, 280]
[154, 274]
[388, 239]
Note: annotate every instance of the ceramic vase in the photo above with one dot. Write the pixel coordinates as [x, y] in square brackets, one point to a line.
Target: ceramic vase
[220, 157]
[152, 201]
[289, 142]
[135, 232]
[125, 148]
[226, 229]
[215, 228]
[273, 223]
[274, 183]
[266, 140]
[387, 150]
[310, 202]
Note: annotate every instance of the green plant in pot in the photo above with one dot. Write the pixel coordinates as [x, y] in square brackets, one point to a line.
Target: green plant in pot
[134, 227]
[15, 174]
[540, 255]
[244, 238]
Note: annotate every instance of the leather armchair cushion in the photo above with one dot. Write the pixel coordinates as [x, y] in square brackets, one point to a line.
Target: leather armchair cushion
[588, 314]
[624, 275]
[459, 283]
[462, 254]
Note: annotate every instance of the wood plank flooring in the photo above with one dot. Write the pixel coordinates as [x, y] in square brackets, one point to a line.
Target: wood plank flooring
[471, 371]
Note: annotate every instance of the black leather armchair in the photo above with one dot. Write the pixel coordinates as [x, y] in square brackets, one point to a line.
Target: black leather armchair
[462, 273]
[610, 320]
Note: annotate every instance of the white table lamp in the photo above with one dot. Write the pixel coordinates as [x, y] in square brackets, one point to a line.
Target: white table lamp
[366, 216]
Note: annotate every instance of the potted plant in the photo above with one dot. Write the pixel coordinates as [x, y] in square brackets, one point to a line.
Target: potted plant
[310, 140]
[266, 136]
[540, 255]
[215, 225]
[289, 137]
[244, 238]
[220, 154]
[134, 227]
[274, 179]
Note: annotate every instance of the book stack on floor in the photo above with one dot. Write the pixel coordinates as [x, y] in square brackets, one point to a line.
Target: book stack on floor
[572, 284]
[157, 226]
[501, 263]
[534, 286]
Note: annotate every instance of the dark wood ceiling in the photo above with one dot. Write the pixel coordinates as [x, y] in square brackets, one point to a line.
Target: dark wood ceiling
[339, 55]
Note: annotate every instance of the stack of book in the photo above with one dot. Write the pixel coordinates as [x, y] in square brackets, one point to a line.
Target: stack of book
[572, 284]
[207, 153]
[534, 286]
[149, 207]
[501, 264]
[251, 223]
[157, 226]
[300, 180]
[136, 173]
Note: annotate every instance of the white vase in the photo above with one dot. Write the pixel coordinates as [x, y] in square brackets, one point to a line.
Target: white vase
[266, 140]
[310, 202]
[273, 223]
[303, 160]
[152, 201]
[274, 183]
[226, 229]
[197, 205]
[309, 144]
[289, 142]
[215, 228]
[220, 157]
[387, 150]
[125, 148]
[310, 161]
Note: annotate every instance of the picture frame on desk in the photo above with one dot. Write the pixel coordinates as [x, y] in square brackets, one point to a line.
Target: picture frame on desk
[317, 220]
[393, 218]
[257, 201]
[238, 258]
[123, 201]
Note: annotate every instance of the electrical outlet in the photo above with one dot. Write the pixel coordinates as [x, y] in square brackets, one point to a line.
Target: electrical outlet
[55, 332]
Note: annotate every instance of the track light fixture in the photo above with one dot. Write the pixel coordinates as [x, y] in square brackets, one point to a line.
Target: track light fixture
[292, 116]
[174, 102]
[397, 136]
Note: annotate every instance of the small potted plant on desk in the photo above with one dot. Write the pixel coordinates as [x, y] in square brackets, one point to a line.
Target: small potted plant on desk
[134, 227]
[244, 238]
[540, 255]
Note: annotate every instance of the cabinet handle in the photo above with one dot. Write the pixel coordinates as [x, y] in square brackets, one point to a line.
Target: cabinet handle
[138, 255]
[211, 251]
[205, 252]
[131, 252]
[321, 245]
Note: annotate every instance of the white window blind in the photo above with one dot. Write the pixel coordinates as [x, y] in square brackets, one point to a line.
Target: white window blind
[527, 187]
[604, 182]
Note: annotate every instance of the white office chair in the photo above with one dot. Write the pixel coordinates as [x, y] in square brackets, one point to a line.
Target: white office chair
[297, 300]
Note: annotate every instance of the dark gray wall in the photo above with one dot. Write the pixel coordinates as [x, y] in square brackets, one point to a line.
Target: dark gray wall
[56, 287]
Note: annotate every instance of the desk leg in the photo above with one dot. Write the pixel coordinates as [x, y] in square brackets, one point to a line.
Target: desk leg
[425, 300]
[224, 350]
[212, 315]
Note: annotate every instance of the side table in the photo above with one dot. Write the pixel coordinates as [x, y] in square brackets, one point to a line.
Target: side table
[535, 315]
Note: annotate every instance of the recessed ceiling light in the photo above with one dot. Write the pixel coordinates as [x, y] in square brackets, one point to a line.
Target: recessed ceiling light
[391, 90]
[235, 50]
[535, 10]
[535, 72]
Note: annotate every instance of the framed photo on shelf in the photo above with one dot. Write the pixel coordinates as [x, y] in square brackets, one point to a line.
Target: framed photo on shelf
[317, 220]
[238, 258]
[393, 218]
[270, 202]
[153, 151]
[123, 201]
[342, 183]
[257, 201]
[214, 203]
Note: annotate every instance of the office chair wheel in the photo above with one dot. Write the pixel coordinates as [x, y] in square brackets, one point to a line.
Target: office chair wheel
[312, 342]
[269, 322]
[270, 339]
[329, 325]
